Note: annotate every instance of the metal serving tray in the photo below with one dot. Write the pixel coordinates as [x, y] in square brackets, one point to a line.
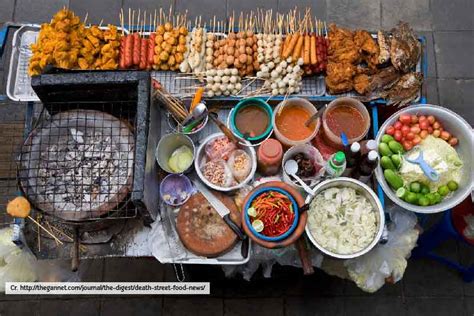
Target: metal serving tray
[19, 82]
[168, 214]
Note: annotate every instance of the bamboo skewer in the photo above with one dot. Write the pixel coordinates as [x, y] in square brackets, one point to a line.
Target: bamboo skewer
[43, 228]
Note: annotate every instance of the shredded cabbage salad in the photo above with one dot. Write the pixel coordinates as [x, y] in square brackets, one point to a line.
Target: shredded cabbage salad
[342, 221]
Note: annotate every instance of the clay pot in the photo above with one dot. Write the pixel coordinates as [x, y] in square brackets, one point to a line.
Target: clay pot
[298, 230]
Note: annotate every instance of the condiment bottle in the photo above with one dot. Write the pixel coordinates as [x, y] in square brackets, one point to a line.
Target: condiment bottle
[365, 169]
[366, 146]
[352, 158]
[336, 165]
[269, 156]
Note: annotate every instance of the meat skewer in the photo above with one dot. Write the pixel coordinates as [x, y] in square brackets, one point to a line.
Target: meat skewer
[136, 45]
[143, 47]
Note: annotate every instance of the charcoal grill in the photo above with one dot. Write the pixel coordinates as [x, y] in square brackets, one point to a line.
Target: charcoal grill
[78, 164]
[84, 163]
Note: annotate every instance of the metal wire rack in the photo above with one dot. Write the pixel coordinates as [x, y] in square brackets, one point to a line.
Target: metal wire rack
[77, 162]
[182, 85]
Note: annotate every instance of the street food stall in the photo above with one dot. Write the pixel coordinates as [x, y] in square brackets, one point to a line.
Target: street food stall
[262, 138]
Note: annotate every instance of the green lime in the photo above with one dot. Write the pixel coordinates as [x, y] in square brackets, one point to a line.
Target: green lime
[252, 212]
[415, 187]
[438, 197]
[452, 185]
[423, 201]
[443, 190]
[402, 193]
[257, 225]
[411, 198]
[424, 189]
[432, 198]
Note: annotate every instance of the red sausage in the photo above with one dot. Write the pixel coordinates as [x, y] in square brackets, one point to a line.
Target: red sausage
[143, 53]
[136, 49]
[122, 53]
[129, 51]
[151, 50]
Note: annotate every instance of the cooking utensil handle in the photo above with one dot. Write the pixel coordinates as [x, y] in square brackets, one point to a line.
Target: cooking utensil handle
[234, 226]
[428, 170]
[304, 257]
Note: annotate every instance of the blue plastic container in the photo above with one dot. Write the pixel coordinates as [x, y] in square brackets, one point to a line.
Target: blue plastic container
[295, 210]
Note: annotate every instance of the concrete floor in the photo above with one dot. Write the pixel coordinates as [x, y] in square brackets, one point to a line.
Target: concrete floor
[427, 287]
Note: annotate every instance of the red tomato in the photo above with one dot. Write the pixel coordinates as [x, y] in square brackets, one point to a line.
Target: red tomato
[405, 130]
[445, 135]
[421, 118]
[407, 145]
[390, 130]
[410, 136]
[436, 133]
[416, 140]
[430, 129]
[431, 119]
[453, 141]
[415, 129]
[398, 125]
[397, 135]
[424, 134]
[414, 119]
[436, 125]
[405, 119]
[424, 124]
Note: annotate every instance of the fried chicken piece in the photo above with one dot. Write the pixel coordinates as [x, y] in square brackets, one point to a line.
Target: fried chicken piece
[339, 77]
[361, 83]
[83, 64]
[342, 48]
[368, 48]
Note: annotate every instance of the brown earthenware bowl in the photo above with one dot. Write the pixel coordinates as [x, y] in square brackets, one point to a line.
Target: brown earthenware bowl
[298, 230]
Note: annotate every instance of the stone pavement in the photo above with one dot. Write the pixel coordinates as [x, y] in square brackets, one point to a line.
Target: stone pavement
[427, 288]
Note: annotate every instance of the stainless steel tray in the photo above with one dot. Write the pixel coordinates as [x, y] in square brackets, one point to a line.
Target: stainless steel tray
[19, 82]
[168, 214]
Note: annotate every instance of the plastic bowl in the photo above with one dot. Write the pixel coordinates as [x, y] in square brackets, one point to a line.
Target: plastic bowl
[167, 145]
[458, 127]
[294, 102]
[309, 151]
[245, 103]
[200, 159]
[172, 184]
[258, 192]
[335, 140]
[361, 188]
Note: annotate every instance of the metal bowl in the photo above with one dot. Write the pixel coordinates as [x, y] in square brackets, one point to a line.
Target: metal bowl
[167, 145]
[457, 126]
[361, 188]
[200, 159]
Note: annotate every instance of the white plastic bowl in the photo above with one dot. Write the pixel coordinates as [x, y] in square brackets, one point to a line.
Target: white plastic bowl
[362, 189]
[458, 127]
[201, 155]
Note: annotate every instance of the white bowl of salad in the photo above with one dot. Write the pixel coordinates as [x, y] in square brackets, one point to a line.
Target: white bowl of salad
[446, 141]
[345, 218]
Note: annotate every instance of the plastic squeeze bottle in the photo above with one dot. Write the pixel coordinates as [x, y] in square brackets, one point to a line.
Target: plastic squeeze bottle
[336, 165]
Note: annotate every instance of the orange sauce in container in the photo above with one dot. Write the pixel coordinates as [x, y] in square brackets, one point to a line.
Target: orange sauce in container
[347, 119]
[291, 123]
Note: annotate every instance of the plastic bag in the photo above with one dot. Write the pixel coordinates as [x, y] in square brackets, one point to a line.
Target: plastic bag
[388, 260]
[16, 264]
